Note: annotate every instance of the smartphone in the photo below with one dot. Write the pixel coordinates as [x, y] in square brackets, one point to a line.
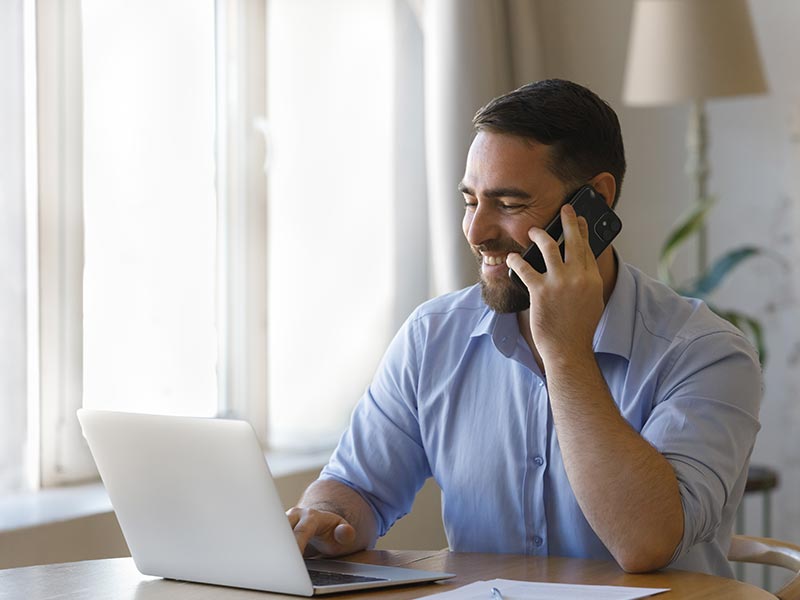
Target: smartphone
[604, 226]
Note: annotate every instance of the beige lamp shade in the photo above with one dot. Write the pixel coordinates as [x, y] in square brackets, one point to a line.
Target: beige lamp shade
[683, 50]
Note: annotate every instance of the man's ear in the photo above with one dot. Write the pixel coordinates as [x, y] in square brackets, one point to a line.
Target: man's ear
[605, 184]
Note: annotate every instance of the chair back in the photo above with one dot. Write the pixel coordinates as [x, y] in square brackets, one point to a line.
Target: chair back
[769, 551]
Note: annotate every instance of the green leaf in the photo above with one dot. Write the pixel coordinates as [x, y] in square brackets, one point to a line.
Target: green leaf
[708, 281]
[687, 225]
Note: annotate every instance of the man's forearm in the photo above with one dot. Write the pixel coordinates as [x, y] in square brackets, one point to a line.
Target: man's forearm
[626, 489]
[335, 497]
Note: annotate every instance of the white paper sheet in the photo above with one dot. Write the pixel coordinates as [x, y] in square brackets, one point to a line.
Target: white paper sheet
[531, 590]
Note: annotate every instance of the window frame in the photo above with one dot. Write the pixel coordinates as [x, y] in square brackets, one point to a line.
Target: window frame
[32, 391]
[57, 452]
[63, 455]
[242, 211]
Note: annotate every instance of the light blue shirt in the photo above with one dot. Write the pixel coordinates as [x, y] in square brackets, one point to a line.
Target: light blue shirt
[458, 396]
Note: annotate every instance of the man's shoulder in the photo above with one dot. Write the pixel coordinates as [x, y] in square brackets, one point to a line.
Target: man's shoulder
[678, 339]
[663, 314]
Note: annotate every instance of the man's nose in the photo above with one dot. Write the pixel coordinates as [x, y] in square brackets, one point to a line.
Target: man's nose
[482, 225]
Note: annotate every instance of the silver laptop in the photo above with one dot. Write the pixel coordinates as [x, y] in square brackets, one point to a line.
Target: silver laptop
[196, 502]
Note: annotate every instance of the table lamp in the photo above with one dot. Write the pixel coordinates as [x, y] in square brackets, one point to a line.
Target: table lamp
[687, 51]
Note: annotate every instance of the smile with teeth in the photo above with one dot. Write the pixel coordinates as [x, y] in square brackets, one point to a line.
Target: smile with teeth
[494, 260]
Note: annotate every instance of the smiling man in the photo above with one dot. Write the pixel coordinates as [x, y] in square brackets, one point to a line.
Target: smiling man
[591, 413]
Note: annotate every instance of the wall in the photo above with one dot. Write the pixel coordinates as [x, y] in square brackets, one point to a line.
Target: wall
[97, 536]
[755, 176]
[757, 169]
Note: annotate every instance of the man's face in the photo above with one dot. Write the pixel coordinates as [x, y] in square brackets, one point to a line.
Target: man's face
[507, 188]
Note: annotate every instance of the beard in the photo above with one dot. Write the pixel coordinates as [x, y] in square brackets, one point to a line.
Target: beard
[501, 294]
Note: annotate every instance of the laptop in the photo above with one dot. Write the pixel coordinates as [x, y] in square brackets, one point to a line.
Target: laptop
[196, 502]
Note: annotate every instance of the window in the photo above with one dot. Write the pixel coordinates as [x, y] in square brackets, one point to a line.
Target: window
[182, 267]
[149, 338]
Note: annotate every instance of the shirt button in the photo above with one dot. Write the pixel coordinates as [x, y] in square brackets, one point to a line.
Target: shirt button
[537, 540]
[539, 460]
[541, 383]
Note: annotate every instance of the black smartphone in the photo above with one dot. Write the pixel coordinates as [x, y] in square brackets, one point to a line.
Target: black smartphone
[604, 225]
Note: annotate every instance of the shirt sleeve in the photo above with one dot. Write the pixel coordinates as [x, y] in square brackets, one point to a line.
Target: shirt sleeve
[705, 424]
[381, 455]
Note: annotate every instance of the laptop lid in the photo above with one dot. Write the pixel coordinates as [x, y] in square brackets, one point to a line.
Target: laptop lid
[196, 502]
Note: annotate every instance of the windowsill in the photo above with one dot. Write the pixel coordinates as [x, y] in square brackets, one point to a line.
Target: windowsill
[31, 509]
[51, 505]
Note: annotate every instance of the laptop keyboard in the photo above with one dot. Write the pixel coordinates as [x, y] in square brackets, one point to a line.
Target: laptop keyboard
[321, 578]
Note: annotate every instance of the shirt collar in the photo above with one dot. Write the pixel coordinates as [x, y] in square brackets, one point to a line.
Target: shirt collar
[502, 327]
[614, 333]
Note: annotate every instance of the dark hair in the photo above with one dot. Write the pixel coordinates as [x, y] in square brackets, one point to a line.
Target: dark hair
[581, 129]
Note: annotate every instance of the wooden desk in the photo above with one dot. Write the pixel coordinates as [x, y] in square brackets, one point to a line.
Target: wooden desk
[118, 579]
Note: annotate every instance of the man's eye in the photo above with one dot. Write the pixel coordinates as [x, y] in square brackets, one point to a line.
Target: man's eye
[469, 205]
[511, 206]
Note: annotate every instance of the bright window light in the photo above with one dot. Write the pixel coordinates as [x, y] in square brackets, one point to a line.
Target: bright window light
[149, 282]
[329, 102]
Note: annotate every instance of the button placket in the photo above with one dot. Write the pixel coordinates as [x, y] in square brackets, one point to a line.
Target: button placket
[536, 524]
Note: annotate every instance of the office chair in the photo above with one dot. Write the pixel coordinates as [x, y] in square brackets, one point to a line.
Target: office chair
[769, 551]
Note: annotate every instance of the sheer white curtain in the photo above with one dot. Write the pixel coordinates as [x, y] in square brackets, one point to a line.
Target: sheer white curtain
[364, 221]
[329, 219]
[411, 248]
[474, 51]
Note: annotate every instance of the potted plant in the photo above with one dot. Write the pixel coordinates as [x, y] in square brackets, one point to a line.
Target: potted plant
[709, 279]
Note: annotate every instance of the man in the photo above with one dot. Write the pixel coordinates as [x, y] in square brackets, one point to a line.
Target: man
[593, 414]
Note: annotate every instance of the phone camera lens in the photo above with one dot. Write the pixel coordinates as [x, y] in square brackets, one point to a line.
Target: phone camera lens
[607, 226]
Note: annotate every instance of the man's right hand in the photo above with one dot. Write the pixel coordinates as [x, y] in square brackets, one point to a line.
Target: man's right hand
[321, 532]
